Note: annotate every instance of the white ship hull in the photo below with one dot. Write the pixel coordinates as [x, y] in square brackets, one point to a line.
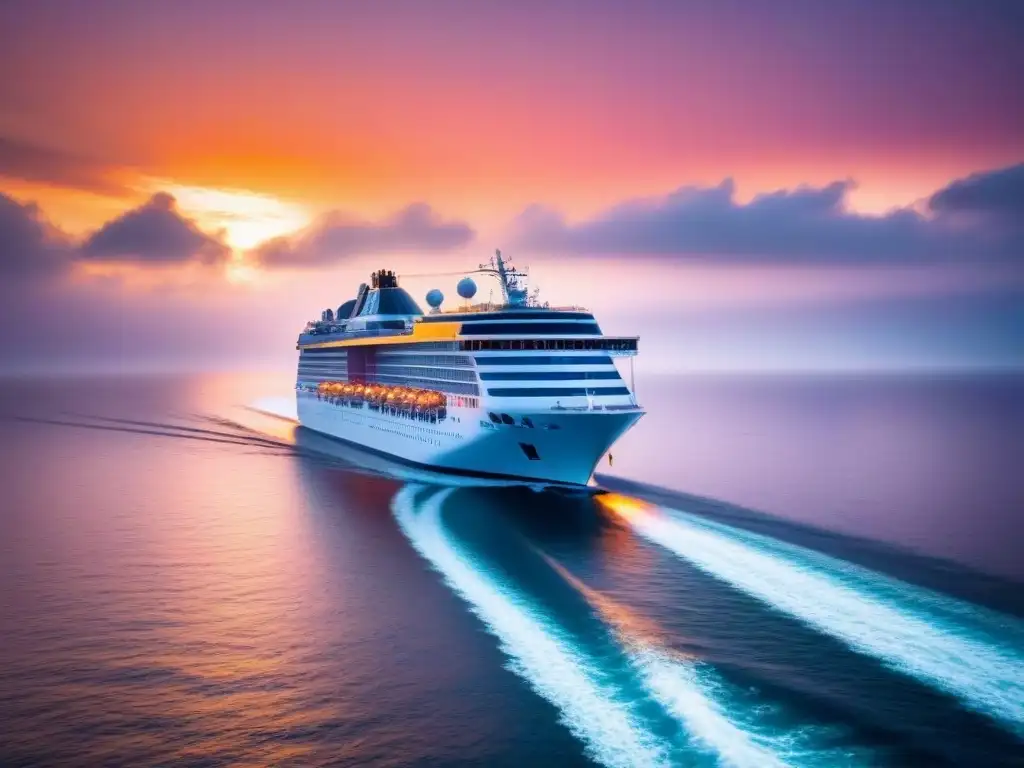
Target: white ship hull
[568, 443]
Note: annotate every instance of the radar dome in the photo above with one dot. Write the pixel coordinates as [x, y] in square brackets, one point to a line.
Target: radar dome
[434, 298]
[466, 288]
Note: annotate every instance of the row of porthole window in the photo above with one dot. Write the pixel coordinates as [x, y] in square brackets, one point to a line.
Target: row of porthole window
[456, 435]
[421, 438]
[418, 346]
[417, 426]
[425, 372]
[620, 345]
[407, 358]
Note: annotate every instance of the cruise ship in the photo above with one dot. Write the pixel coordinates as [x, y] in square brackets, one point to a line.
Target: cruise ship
[513, 390]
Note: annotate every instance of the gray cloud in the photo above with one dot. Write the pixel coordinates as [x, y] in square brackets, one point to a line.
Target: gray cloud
[337, 236]
[35, 163]
[155, 232]
[29, 245]
[997, 193]
[803, 224]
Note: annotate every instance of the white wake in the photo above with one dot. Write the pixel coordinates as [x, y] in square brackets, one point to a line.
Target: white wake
[546, 661]
[704, 704]
[718, 720]
[894, 622]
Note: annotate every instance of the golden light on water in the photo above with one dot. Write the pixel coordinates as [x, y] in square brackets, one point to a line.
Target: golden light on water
[632, 624]
[626, 507]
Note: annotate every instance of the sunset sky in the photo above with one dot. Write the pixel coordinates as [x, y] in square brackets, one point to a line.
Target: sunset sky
[747, 185]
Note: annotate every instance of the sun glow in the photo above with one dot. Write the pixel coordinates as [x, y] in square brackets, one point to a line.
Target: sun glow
[625, 507]
[246, 218]
[238, 272]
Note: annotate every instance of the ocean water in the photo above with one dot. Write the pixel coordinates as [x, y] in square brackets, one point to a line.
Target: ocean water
[787, 571]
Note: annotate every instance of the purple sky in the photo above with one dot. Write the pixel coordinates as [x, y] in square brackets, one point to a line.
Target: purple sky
[810, 185]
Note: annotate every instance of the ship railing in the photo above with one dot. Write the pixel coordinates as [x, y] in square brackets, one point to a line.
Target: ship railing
[495, 307]
[597, 407]
[368, 333]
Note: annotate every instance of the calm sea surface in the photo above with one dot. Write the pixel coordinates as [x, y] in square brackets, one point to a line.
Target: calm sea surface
[820, 572]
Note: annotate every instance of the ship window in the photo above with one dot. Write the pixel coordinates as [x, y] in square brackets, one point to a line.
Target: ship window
[507, 419]
[395, 325]
[426, 372]
[530, 451]
[612, 375]
[494, 417]
[530, 328]
[509, 314]
[555, 391]
[626, 345]
[405, 358]
[543, 360]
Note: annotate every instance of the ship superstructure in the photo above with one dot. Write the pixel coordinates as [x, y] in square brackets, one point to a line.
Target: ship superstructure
[514, 389]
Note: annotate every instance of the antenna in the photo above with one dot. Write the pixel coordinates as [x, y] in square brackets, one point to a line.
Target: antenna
[513, 281]
[508, 276]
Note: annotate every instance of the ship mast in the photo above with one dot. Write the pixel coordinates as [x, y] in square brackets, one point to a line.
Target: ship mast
[512, 280]
[509, 277]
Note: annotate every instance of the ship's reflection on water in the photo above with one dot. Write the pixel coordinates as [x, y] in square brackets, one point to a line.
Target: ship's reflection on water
[231, 588]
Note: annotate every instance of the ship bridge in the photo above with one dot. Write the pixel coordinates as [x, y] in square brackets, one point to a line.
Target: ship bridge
[382, 308]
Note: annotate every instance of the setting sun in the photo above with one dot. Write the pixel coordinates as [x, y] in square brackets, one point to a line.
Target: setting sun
[246, 218]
